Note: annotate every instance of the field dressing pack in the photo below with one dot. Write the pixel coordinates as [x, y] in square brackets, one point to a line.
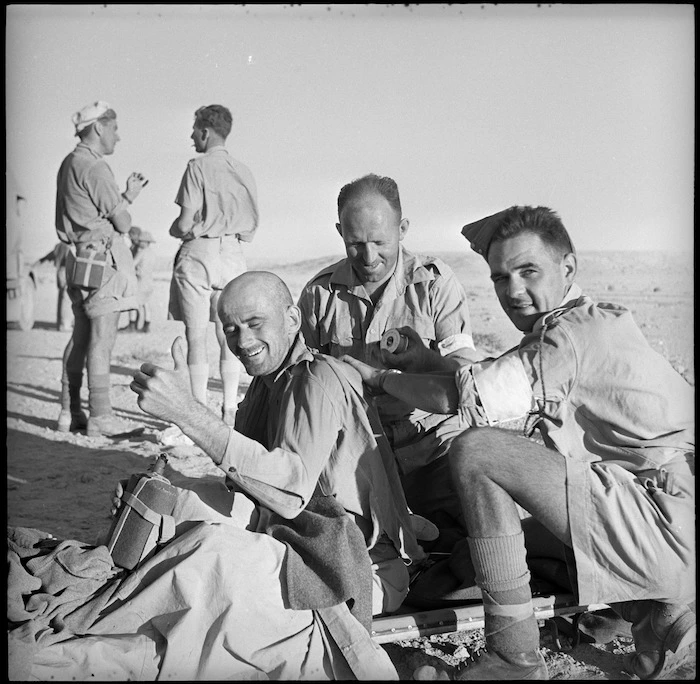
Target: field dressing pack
[145, 518]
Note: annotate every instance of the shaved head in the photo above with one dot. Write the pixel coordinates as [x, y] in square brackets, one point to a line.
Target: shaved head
[259, 319]
[267, 284]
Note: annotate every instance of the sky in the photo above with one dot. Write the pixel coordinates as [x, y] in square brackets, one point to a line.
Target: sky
[471, 108]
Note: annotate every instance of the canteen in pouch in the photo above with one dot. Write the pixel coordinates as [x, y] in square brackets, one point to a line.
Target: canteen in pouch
[144, 521]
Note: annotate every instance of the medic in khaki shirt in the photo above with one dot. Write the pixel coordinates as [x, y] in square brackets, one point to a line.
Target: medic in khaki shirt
[348, 306]
[611, 494]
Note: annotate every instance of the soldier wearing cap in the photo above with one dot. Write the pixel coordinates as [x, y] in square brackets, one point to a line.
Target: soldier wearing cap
[611, 491]
[348, 306]
[92, 216]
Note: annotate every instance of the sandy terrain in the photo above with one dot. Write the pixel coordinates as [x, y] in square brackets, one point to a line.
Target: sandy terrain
[61, 483]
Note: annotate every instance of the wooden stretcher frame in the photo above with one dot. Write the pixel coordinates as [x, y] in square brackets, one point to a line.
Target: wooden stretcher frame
[413, 625]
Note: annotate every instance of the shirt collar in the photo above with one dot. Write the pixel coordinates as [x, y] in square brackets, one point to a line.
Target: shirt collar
[216, 148]
[298, 353]
[84, 146]
[408, 270]
[570, 300]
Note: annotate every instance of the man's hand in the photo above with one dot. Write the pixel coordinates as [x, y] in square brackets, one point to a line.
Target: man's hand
[165, 394]
[134, 184]
[414, 359]
[370, 376]
[117, 498]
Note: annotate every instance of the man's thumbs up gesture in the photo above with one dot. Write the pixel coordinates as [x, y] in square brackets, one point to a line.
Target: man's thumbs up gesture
[165, 394]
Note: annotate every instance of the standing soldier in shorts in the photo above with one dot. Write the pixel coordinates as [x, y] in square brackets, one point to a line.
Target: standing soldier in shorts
[92, 217]
[218, 210]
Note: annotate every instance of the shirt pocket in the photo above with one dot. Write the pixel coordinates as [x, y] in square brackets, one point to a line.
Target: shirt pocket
[341, 336]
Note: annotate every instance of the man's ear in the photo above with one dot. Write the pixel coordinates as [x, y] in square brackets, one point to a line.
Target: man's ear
[337, 227]
[403, 228]
[293, 319]
[570, 266]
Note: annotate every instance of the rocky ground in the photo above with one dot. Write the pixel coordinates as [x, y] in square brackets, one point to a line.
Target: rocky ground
[61, 483]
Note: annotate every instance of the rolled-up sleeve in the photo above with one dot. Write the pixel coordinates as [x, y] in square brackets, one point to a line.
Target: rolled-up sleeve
[284, 477]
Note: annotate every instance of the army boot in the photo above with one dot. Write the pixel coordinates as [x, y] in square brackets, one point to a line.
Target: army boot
[664, 637]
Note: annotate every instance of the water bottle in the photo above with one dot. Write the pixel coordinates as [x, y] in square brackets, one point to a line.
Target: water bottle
[145, 518]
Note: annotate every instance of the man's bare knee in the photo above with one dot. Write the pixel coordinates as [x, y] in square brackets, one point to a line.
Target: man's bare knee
[473, 450]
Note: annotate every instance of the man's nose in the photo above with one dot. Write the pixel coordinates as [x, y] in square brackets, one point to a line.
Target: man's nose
[244, 337]
[515, 288]
[370, 254]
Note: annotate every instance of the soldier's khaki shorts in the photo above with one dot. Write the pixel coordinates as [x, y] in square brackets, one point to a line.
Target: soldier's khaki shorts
[201, 270]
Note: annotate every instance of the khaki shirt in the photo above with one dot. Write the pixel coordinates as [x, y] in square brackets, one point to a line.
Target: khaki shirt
[338, 317]
[222, 192]
[87, 196]
[624, 420]
[309, 428]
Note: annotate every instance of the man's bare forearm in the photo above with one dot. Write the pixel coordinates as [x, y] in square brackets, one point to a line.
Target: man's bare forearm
[435, 393]
[436, 362]
[205, 429]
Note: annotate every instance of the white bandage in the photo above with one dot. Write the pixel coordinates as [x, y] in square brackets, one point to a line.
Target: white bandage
[503, 388]
[455, 342]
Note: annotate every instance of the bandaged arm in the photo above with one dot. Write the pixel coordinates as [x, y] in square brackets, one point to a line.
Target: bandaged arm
[485, 393]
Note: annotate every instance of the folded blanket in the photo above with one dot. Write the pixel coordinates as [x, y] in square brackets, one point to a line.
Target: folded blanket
[327, 562]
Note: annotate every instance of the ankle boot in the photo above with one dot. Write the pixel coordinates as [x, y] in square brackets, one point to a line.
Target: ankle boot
[664, 637]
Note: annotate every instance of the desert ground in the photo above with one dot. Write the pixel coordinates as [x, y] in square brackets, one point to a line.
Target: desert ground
[61, 483]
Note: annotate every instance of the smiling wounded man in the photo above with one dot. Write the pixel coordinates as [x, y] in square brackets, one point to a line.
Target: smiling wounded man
[311, 529]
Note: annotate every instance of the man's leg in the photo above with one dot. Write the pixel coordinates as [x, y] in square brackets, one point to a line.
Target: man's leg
[103, 334]
[72, 417]
[493, 469]
[230, 369]
[145, 312]
[197, 360]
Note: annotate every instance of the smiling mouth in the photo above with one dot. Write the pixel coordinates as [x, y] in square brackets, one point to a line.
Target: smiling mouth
[249, 354]
[519, 306]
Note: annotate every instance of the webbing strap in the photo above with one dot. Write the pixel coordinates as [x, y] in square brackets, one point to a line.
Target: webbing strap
[141, 508]
[517, 611]
[164, 523]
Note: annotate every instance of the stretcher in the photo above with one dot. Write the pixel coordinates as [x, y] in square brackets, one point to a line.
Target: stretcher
[412, 625]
